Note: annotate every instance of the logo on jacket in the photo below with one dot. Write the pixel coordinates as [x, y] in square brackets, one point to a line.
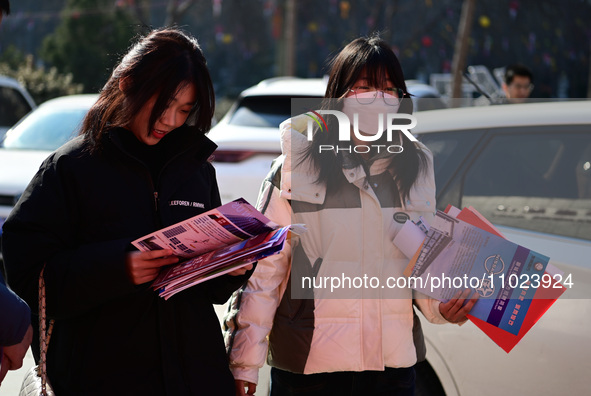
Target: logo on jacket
[187, 203]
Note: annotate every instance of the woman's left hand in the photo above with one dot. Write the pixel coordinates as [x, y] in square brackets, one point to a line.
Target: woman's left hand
[241, 270]
[456, 309]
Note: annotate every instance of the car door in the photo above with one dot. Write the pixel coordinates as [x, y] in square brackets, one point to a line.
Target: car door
[534, 183]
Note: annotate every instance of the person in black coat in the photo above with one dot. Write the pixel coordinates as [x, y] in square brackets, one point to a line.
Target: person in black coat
[142, 150]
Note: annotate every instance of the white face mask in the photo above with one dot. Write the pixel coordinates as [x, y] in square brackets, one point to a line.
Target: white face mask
[371, 118]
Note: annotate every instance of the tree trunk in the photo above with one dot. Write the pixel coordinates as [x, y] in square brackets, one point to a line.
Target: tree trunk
[290, 37]
[461, 50]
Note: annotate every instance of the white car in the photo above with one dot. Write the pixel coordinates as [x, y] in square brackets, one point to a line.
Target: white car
[15, 103]
[527, 169]
[30, 141]
[248, 135]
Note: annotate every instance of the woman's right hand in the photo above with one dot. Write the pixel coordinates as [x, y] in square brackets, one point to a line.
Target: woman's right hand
[143, 267]
[241, 385]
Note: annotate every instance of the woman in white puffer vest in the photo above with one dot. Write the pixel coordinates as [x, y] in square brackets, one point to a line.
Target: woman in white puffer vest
[322, 311]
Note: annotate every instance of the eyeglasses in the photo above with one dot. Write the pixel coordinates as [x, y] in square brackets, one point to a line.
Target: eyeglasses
[367, 95]
[527, 87]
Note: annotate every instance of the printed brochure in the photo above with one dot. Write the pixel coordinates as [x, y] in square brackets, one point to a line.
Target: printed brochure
[212, 244]
[515, 285]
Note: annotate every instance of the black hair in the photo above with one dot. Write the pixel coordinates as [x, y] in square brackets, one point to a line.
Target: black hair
[374, 56]
[161, 63]
[517, 70]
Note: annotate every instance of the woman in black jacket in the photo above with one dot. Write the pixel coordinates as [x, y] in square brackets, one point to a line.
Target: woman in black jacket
[142, 151]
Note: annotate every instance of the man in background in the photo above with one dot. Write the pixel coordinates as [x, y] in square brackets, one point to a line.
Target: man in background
[518, 83]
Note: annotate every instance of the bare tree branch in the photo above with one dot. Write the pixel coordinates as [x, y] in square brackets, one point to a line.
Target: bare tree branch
[176, 9]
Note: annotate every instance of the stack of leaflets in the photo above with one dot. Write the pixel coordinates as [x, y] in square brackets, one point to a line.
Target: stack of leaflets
[462, 250]
[212, 244]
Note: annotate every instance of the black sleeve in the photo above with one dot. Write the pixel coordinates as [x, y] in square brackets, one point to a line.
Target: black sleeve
[41, 230]
[15, 316]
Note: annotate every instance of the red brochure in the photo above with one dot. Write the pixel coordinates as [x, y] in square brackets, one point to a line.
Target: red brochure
[542, 301]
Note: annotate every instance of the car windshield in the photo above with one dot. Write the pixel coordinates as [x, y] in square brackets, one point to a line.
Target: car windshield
[45, 129]
[262, 111]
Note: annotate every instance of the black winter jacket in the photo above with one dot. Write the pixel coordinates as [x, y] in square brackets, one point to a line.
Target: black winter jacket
[78, 216]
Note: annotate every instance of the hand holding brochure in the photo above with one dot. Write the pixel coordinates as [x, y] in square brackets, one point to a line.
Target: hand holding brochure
[463, 250]
[542, 300]
[212, 244]
[456, 255]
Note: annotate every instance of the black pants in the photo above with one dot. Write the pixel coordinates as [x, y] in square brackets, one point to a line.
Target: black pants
[391, 382]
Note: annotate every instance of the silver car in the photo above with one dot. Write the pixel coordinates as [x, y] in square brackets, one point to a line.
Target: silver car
[527, 169]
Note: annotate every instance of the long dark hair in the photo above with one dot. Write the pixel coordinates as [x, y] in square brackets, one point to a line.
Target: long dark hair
[375, 56]
[161, 63]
